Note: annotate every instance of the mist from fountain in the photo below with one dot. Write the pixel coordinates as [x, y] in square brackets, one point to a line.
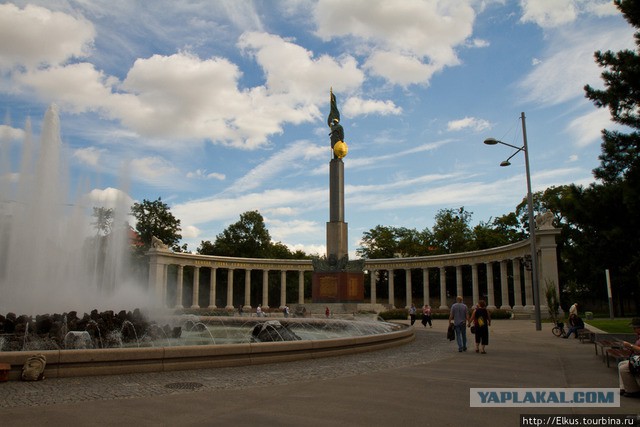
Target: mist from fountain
[51, 260]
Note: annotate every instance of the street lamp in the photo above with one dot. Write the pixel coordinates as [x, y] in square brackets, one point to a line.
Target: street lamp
[532, 226]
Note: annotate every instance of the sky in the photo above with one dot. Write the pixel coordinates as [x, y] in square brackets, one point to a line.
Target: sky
[220, 107]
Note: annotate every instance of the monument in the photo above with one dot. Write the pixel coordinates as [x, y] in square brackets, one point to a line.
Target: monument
[335, 278]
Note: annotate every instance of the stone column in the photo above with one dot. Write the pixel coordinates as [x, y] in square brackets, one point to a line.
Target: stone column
[517, 285]
[301, 287]
[283, 288]
[212, 288]
[392, 296]
[443, 289]
[529, 304]
[372, 278]
[459, 291]
[265, 289]
[156, 277]
[407, 287]
[229, 289]
[247, 289]
[163, 289]
[425, 285]
[491, 304]
[179, 285]
[548, 263]
[474, 284]
[504, 285]
[196, 287]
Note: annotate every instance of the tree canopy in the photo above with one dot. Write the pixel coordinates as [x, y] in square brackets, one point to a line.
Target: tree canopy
[153, 218]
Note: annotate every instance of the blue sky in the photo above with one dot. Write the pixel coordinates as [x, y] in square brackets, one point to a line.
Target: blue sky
[219, 107]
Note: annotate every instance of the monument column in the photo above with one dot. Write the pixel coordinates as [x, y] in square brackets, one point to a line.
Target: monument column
[301, 287]
[392, 296]
[196, 287]
[443, 289]
[408, 288]
[459, 281]
[179, 285]
[247, 289]
[517, 285]
[265, 289]
[283, 288]
[212, 288]
[229, 289]
[504, 285]
[372, 278]
[425, 285]
[475, 292]
[490, 291]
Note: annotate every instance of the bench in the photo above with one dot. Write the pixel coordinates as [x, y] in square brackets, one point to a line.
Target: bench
[586, 334]
[604, 344]
[618, 354]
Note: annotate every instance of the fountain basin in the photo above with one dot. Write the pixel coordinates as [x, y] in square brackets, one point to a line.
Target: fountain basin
[71, 363]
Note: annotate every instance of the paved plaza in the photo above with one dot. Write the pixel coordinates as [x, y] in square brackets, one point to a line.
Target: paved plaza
[425, 383]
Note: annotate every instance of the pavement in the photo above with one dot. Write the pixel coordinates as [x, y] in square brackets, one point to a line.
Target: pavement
[425, 383]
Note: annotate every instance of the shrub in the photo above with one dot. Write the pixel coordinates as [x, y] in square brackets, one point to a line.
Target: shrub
[395, 314]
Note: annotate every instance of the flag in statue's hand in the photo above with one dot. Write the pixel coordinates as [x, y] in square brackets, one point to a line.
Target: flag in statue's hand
[334, 113]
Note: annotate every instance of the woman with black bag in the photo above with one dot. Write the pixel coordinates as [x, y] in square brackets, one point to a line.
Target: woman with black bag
[481, 320]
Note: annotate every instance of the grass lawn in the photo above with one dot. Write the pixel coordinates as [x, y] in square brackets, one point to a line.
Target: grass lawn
[619, 326]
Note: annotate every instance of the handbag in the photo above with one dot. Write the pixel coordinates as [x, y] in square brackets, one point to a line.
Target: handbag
[634, 364]
[473, 329]
[451, 335]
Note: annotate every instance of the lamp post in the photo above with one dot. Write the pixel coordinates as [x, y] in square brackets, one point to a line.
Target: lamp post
[532, 226]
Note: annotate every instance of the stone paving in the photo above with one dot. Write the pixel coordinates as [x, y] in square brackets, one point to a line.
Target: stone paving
[426, 348]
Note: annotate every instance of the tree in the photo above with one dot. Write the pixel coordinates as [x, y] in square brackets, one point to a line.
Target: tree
[155, 219]
[616, 221]
[103, 220]
[620, 152]
[248, 238]
[451, 231]
[391, 242]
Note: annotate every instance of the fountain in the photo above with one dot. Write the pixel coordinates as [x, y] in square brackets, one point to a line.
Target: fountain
[50, 261]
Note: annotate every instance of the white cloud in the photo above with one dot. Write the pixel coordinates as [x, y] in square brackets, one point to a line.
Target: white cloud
[152, 169]
[108, 197]
[472, 123]
[418, 37]
[35, 36]
[9, 133]
[202, 174]
[548, 13]
[587, 129]
[569, 64]
[89, 155]
[190, 232]
[355, 106]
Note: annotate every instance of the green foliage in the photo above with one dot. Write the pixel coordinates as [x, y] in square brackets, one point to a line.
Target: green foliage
[395, 314]
[103, 220]
[451, 231]
[553, 302]
[155, 219]
[248, 238]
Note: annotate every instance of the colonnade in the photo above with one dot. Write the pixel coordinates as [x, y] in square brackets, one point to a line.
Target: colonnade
[513, 282]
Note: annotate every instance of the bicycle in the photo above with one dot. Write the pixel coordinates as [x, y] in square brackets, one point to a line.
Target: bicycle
[558, 330]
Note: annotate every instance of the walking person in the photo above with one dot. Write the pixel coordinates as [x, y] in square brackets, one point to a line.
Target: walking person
[459, 317]
[426, 316]
[412, 314]
[481, 320]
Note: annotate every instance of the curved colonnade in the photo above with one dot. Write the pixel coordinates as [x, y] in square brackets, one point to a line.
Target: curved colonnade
[506, 281]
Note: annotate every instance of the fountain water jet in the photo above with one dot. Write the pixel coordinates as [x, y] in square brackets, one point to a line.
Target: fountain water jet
[47, 258]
